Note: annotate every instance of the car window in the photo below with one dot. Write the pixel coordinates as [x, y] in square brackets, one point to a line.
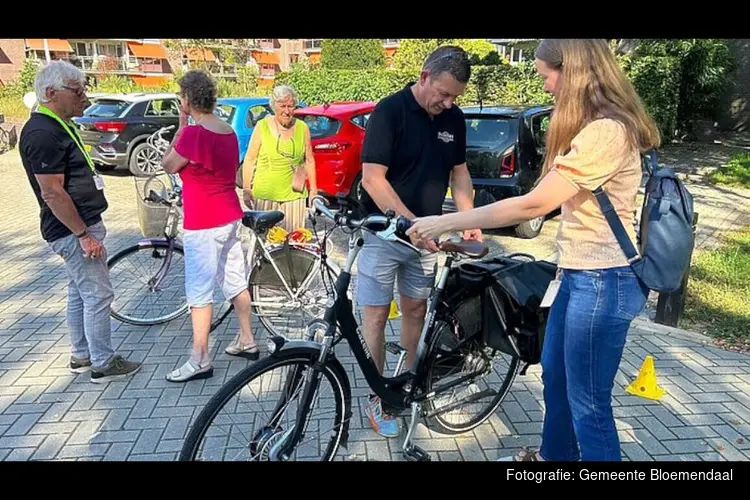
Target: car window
[163, 107]
[225, 112]
[539, 125]
[489, 131]
[321, 126]
[361, 120]
[104, 108]
[255, 114]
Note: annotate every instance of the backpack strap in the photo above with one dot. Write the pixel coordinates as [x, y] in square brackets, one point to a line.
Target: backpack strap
[616, 224]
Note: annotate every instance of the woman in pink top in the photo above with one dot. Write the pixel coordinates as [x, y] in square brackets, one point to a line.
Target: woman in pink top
[206, 155]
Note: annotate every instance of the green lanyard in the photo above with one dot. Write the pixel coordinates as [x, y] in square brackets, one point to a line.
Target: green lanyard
[73, 135]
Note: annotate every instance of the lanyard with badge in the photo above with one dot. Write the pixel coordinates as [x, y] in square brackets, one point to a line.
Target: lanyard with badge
[98, 181]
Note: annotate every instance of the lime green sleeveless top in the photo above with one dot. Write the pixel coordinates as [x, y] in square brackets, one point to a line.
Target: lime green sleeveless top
[276, 161]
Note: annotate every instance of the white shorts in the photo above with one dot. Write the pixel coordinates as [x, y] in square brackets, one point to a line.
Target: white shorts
[214, 257]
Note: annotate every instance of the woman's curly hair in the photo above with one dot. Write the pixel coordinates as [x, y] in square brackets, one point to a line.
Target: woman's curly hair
[200, 90]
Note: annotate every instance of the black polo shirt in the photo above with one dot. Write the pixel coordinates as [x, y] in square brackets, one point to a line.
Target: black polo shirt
[419, 150]
[47, 148]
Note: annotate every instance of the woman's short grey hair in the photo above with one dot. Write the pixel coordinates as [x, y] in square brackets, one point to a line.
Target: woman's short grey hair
[282, 93]
[56, 75]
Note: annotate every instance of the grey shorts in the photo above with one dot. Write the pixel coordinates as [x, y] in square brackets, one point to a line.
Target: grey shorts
[380, 262]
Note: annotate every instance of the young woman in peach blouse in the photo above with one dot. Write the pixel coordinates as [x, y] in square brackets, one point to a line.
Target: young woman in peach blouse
[597, 134]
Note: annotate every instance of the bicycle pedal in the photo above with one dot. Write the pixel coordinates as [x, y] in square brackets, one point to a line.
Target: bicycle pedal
[394, 348]
[417, 454]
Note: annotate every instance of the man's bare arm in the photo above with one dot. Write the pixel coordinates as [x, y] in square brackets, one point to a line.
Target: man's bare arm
[60, 202]
[462, 187]
[381, 191]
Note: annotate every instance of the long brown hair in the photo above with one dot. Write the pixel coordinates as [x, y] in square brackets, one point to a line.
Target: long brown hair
[593, 86]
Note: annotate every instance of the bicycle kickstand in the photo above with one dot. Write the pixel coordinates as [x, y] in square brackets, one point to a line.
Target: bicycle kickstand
[409, 449]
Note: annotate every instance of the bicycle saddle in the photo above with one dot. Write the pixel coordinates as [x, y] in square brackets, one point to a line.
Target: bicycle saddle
[260, 221]
[471, 248]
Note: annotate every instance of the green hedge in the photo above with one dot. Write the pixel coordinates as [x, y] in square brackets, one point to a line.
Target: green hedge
[656, 79]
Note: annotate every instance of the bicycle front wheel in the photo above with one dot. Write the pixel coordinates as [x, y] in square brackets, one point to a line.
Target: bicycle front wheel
[255, 411]
[149, 284]
[291, 289]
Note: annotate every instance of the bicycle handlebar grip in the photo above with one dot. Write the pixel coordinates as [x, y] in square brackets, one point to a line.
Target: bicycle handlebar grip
[402, 225]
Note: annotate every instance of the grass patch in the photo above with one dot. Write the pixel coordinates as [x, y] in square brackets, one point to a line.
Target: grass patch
[718, 300]
[736, 173]
[13, 108]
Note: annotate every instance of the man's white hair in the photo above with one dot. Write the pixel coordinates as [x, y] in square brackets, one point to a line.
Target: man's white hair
[56, 75]
[281, 93]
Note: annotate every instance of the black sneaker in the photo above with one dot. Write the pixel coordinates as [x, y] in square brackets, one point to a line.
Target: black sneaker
[79, 365]
[116, 369]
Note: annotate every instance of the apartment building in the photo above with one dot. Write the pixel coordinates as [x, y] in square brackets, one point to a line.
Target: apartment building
[143, 60]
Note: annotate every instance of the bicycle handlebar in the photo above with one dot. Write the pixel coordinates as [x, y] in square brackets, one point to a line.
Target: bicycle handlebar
[387, 227]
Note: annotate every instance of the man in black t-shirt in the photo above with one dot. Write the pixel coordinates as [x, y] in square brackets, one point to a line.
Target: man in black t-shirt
[414, 149]
[71, 200]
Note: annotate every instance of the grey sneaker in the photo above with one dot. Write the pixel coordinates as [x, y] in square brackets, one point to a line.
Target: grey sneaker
[79, 365]
[116, 369]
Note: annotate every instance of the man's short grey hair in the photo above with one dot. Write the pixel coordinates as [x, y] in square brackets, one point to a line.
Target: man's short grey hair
[282, 93]
[449, 59]
[56, 75]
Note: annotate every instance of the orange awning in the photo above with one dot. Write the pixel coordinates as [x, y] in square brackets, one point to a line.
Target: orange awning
[54, 44]
[147, 50]
[389, 51]
[266, 57]
[150, 80]
[265, 82]
[198, 54]
[314, 57]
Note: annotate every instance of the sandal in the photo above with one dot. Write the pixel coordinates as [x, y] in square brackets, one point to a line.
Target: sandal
[190, 371]
[250, 351]
[525, 455]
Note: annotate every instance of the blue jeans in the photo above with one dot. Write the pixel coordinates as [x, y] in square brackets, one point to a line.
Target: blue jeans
[585, 336]
[90, 295]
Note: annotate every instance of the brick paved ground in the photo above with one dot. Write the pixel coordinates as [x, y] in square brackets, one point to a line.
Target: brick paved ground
[48, 413]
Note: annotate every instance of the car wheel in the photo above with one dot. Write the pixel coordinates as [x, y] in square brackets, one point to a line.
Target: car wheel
[144, 161]
[530, 229]
[356, 189]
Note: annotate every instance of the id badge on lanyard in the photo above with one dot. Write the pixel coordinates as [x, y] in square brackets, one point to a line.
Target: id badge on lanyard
[98, 181]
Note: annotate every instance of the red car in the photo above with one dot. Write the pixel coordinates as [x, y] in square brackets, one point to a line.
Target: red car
[337, 130]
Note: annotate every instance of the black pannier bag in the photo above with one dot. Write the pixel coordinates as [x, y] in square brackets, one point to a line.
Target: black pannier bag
[509, 291]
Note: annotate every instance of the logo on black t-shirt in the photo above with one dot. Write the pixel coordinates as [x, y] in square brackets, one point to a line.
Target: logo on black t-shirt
[445, 136]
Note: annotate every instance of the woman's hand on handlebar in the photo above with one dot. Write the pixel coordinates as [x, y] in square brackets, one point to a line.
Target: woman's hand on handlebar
[425, 230]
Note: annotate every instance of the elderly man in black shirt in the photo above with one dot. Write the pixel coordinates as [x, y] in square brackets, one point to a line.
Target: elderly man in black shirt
[70, 194]
[414, 149]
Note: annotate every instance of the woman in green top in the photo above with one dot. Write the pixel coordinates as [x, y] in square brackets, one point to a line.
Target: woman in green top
[279, 145]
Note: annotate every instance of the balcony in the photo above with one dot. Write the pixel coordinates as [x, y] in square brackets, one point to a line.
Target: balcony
[115, 65]
[391, 42]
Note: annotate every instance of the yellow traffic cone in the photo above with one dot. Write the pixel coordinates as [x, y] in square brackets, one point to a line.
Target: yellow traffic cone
[645, 384]
[394, 313]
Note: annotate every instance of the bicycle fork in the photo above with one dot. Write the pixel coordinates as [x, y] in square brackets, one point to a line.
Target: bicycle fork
[311, 380]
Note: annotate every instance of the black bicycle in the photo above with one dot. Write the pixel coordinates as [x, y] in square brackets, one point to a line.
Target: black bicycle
[479, 311]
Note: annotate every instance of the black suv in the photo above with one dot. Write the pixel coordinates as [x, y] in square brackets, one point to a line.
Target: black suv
[116, 127]
[504, 153]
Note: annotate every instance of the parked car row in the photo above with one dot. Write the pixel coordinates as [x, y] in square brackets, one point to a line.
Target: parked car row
[505, 144]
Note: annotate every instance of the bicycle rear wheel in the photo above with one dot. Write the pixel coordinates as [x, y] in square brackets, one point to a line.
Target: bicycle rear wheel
[292, 291]
[141, 298]
[262, 425]
[456, 349]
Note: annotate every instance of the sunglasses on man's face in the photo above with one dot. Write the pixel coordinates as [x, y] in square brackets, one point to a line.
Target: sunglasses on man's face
[79, 91]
